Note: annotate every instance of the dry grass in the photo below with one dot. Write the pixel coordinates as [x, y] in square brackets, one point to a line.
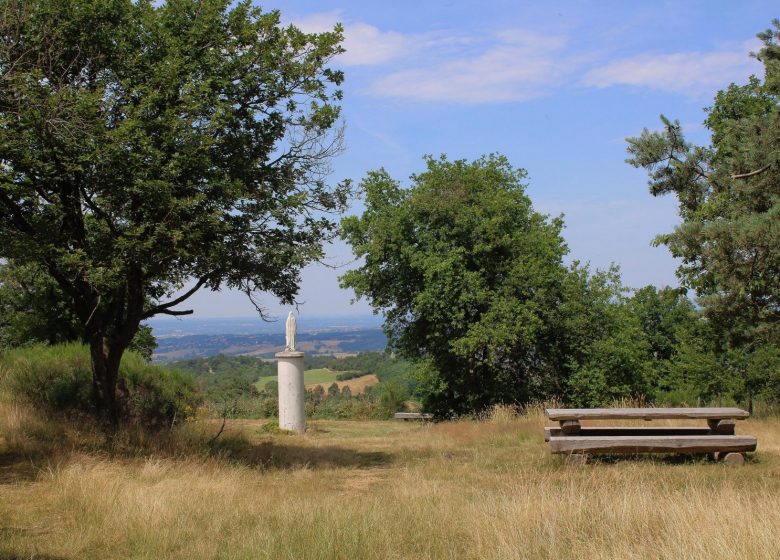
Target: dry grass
[467, 489]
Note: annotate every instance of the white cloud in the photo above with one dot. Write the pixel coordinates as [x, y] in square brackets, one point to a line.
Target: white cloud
[517, 65]
[689, 73]
[364, 43]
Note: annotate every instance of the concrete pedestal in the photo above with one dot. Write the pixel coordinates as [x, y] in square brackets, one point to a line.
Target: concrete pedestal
[291, 391]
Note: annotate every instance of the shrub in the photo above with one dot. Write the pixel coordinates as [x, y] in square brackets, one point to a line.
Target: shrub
[350, 375]
[55, 378]
[58, 378]
[392, 398]
[154, 396]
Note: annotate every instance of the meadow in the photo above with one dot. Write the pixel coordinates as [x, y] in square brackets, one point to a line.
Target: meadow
[372, 489]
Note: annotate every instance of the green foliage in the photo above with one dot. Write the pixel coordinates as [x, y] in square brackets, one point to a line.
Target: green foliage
[466, 273]
[143, 343]
[349, 375]
[663, 315]
[246, 387]
[391, 397]
[221, 366]
[227, 384]
[474, 292]
[58, 379]
[763, 373]
[728, 241]
[33, 308]
[154, 396]
[54, 378]
[379, 403]
[600, 345]
[150, 145]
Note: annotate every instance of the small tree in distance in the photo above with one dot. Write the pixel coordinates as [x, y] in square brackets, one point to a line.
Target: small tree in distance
[145, 147]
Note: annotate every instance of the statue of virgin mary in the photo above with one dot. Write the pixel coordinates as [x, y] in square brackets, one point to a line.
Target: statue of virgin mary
[289, 332]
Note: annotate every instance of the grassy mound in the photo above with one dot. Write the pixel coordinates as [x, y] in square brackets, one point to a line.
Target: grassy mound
[58, 379]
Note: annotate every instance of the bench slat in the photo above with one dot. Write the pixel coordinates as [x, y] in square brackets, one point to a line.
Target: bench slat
[643, 413]
[651, 444]
[554, 431]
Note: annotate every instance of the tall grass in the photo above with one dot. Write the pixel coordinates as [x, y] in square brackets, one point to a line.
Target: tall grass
[466, 489]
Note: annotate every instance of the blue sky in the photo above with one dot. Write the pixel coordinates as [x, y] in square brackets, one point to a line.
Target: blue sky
[554, 86]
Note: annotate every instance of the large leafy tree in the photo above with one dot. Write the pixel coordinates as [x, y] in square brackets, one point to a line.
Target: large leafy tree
[467, 275]
[729, 202]
[145, 146]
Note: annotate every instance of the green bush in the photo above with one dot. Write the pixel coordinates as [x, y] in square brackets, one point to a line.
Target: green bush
[154, 396]
[350, 375]
[58, 378]
[55, 378]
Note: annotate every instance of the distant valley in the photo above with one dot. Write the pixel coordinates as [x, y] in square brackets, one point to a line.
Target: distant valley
[334, 337]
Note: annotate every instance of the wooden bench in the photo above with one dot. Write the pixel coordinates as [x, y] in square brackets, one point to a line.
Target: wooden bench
[570, 437]
[412, 416]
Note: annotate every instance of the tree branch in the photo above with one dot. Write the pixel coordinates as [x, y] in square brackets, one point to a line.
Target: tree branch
[752, 173]
[171, 312]
[17, 217]
[164, 308]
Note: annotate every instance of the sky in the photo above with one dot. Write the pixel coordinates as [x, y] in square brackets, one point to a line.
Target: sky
[556, 87]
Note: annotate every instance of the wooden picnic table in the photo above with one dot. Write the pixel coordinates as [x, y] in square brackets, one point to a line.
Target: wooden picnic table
[718, 437]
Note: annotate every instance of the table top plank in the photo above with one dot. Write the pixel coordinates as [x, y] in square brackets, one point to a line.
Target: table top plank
[644, 413]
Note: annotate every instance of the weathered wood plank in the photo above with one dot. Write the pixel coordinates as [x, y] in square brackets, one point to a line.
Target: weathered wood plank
[554, 431]
[724, 427]
[560, 414]
[412, 416]
[651, 444]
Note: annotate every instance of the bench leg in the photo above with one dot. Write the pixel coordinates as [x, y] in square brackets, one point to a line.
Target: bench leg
[570, 427]
[722, 427]
[734, 459]
[731, 459]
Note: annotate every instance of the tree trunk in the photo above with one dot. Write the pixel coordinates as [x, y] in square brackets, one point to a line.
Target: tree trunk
[106, 357]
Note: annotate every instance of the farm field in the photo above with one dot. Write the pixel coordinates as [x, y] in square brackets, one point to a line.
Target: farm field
[375, 489]
[326, 377]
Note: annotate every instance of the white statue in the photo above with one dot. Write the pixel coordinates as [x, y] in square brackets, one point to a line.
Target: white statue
[289, 333]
